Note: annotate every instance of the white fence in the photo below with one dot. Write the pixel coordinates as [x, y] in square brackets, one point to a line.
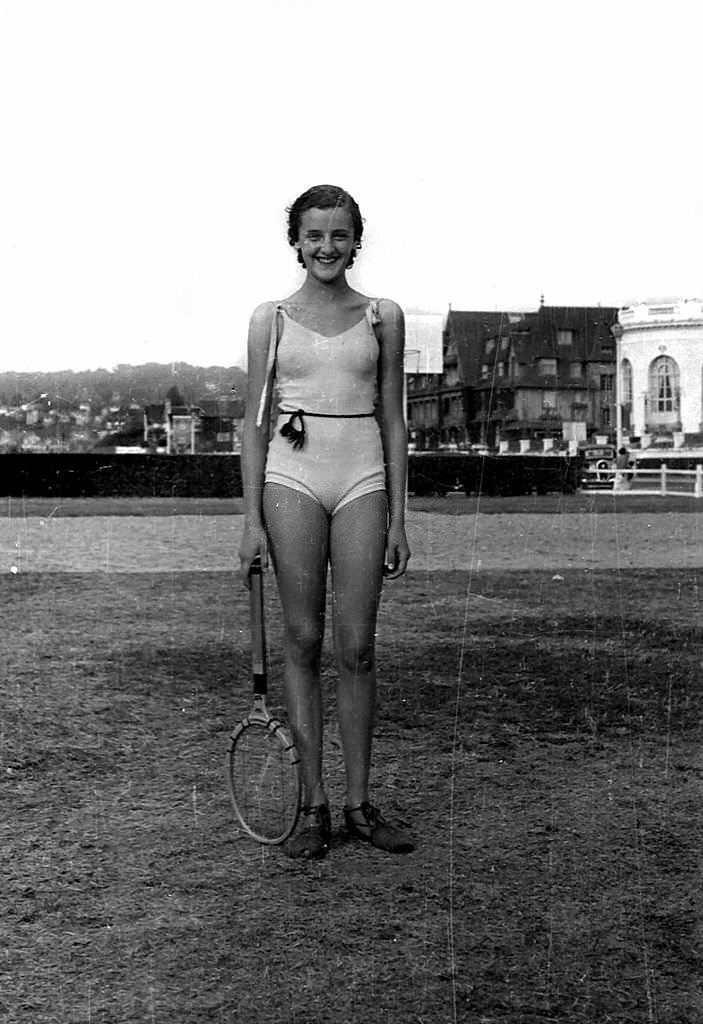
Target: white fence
[656, 480]
[659, 480]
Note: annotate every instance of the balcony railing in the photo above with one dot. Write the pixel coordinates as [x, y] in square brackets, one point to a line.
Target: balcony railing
[659, 480]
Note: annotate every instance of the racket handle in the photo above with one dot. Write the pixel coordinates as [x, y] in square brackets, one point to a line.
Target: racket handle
[256, 619]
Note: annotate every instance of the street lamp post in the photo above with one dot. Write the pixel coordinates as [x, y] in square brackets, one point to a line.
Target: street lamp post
[617, 332]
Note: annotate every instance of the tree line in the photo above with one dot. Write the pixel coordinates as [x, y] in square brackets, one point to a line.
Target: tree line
[123, 384]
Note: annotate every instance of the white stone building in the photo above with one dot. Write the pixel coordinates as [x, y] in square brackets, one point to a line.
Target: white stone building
[660, 372]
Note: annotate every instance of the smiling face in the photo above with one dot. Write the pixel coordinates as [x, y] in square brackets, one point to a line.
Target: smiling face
[326, 242]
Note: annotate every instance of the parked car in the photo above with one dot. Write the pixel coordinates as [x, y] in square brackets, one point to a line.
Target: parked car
[597, 466]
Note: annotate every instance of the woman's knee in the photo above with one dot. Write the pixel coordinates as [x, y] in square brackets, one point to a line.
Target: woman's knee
[355, 655]
[304, 642]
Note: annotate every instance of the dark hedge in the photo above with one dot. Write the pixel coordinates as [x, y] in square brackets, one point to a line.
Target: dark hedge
[103, 475]
[90, 475]
[430, 473]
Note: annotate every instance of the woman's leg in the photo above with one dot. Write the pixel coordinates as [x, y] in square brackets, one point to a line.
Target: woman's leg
[298, 532]
[357, 548]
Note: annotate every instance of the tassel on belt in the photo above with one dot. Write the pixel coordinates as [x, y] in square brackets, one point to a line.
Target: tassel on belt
[294, 429]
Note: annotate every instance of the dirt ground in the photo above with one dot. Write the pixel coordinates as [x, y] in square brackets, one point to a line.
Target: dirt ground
[46, 539]
[540, 726]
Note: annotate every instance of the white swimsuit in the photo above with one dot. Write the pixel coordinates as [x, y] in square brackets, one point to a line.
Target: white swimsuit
[327, 443]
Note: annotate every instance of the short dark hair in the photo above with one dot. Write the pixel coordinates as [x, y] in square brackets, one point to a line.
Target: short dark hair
[324, 197]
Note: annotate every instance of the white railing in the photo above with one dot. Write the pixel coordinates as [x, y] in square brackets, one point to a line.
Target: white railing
[659, 480]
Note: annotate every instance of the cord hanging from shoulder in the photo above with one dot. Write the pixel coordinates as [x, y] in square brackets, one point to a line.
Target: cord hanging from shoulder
[270, 365]
[293, 434]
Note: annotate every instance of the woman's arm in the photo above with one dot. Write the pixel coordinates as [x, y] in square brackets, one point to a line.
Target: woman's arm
[255, 438]
[391, 335]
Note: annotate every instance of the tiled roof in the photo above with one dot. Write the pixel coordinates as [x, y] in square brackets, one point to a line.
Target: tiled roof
[590, 325]
[213, 408]
[228, 408]
[468, 331]
[535, 337]
[155, 412]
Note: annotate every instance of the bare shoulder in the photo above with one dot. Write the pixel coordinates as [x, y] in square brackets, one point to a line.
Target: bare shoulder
[263, 314]
[258, 342]
[390, 313]
[391, 322]
[390, 308]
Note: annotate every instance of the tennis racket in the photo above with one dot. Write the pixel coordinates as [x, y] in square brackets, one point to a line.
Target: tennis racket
[262, 762]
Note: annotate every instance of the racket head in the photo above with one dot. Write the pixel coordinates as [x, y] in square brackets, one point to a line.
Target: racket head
[263, 778]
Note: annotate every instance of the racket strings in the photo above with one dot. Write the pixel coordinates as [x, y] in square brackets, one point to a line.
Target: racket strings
[264, 782]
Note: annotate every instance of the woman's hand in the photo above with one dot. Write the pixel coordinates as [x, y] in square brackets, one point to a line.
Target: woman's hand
[397, 552]
[253, 543]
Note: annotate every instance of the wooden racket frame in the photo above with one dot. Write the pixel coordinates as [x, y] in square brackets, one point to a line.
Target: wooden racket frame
[259, 715]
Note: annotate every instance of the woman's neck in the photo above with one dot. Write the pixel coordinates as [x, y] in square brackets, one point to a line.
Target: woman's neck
[320, 293]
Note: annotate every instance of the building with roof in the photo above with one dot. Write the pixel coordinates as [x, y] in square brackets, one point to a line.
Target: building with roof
[547, 374]
[511, 376]
[660, 373]
[213, 426]
[440, 405]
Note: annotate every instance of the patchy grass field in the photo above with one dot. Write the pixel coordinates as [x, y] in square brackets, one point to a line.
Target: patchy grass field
[599, 502]
[539, 731]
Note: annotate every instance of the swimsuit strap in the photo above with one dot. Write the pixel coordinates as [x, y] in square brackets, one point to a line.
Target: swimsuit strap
[373, 316]
[270, 361]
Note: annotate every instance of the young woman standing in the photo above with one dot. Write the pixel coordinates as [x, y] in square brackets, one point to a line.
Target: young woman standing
[328, 489]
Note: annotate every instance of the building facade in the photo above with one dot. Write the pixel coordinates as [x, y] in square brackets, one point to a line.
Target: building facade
[660, 373]
[440, 406]
[516, 376]
[213, 426]
[547, 374]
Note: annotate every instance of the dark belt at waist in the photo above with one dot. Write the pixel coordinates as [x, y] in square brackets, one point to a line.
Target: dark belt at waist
[295, 435]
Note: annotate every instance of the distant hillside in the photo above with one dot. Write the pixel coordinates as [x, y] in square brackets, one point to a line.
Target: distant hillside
[124, 384]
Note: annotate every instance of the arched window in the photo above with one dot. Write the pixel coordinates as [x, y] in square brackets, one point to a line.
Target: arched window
[626, 382]
[663, 385]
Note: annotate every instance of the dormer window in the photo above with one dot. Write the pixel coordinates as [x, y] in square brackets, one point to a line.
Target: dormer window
[565, 336]
[547, 367]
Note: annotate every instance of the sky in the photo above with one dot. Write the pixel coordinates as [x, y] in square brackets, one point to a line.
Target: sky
[500, 152]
